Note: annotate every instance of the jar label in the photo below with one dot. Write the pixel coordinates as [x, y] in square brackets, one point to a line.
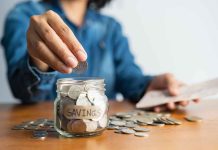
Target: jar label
[82, 112]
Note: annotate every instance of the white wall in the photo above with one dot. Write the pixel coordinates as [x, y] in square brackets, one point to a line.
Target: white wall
[178, 36]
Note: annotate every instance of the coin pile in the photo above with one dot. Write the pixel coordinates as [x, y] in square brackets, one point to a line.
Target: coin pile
[130, 122]
[81, 109]
[40, 127]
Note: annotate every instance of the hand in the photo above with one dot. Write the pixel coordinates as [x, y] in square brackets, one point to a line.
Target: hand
[168, 82]
[51, 43]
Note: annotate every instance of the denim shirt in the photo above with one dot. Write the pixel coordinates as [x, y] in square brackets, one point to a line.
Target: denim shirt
[109, 55]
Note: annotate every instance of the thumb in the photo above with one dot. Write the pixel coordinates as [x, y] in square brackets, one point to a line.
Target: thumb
[172, 87]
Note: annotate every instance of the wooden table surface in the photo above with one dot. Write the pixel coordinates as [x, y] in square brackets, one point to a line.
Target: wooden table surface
[197, 136]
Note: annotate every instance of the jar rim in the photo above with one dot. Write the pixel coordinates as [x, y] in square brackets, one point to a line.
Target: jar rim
[80, 79]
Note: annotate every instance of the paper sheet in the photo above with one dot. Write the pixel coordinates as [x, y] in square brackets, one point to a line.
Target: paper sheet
[189, 92]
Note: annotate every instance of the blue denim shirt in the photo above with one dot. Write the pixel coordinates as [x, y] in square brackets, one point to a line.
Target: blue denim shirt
[108, 52]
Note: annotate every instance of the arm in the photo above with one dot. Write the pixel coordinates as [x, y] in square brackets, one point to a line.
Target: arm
[27, 83]
[130, 80]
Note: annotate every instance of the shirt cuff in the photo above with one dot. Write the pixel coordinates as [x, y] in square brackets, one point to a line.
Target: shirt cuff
[42, 77]
[142, 88]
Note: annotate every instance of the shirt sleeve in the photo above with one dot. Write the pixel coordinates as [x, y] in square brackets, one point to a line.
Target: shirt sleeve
[130, 81]
[27, 83]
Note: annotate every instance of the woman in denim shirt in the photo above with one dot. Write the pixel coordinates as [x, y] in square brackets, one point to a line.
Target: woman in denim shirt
[45, 40]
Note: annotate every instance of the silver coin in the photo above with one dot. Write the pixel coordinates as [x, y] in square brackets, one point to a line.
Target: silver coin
[157, 124]
[75, 91]
[118, 131]
[131, 125]
[112, 127]
[145, 120]
[64, 89]
[193, 118]
[103, 121]
[140, 129]
[118, 123]
[141, 134]
[91, 125]
[83, 100]
[123, 115]
[40, 134]
[81, 67]
[114, 118]
[18, 127]
[127, 131]
[175, 121]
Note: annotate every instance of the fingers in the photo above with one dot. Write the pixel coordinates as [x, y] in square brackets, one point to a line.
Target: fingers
[171, 105]
[172, 85]
[160, 109]
[183, 103]
[55, 44]
[67, 36]
[39, 50]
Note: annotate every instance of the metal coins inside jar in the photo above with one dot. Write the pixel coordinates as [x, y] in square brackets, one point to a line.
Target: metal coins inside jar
[81, 107]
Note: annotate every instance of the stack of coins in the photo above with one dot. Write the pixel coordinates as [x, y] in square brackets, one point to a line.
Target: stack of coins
[82, 108]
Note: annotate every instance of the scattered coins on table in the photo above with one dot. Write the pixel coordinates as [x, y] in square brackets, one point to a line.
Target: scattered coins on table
[133, 122]
[128, 123]
[40, 127]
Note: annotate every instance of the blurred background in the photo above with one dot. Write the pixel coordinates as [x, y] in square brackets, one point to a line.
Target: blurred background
[177, 36]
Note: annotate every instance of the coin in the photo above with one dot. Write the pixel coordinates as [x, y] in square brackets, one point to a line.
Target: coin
[76, 126]
[141, 134]
[131, 125]
[157, 124]
[123, 115]
[118, 131]
[75, 91]
[175, 121]
[91, 125]
[92, 95]
[114, 118]
[145, 120]
[81, 67]
[83, 100]
[140, 129]
[99, 101]
[103, 121]
[40, 134]
[64, 88]
[118, 123]
[127, 131]
[18, 127]
[193, 118]
[112, 127]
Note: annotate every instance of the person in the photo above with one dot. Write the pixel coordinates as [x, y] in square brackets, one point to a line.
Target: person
[44, 40]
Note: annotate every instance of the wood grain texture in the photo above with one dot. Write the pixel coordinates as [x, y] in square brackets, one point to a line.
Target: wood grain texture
[199, 136]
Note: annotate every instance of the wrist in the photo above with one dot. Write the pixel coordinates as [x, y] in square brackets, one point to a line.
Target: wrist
[38, 64]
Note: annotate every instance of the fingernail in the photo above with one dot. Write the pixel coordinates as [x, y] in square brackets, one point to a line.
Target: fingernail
[82, 56]
[72, 62]
[66, 69]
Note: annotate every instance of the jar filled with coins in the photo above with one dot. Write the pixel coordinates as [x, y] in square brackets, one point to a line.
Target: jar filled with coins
[81, 107]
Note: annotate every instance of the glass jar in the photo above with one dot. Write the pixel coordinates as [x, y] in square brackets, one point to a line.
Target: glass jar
[81, 107]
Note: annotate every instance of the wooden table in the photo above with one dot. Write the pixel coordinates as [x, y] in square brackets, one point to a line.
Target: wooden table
[197, 136]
